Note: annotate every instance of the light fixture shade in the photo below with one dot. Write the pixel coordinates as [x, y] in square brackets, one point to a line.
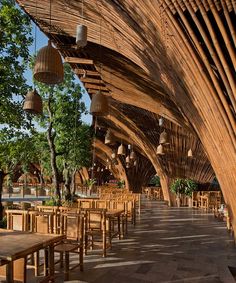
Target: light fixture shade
[160, 121]
[81, 35]
[163, 138]
[33, 103]
[113, 155]
[121, 150]
[102, 170]
[127, 165]
[133, 155]
[160, 150]
[135, 163]
[109, 137]
[98, 169]
[48, 66]
[190, 153]
[99, 104]
[127, 159]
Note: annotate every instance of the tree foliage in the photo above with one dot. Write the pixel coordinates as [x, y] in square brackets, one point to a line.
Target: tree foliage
[183, 186]
[15, 39]
[69, 139]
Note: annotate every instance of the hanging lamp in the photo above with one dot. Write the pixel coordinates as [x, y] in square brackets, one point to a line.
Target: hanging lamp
[48, 66]
[121, 150]
[81, 35]
[160, 150]
[127, 159]
[127, 165]
[81, 31]
[113, 155]
[108, 137]
[160, 121]
[133, 155]
[99, 104]
[135, 163]
[98, 169]
[33, 103]
[190, 153]
[163, 138]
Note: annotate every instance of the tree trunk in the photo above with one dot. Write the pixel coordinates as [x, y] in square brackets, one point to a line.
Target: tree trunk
[73, 184]
[2, 175]
[53, 156]
[67, 184]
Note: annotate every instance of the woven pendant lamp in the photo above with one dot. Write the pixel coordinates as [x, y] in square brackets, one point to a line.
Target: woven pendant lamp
[48, 67]
[127, 159]
[160, 150]
[121, 150]
[132, 155]
[81, 35]
[163, 138]
[109, 137]
[113, 155]
[99, 104]
[33, 103]
[190, 153]
[160, 121]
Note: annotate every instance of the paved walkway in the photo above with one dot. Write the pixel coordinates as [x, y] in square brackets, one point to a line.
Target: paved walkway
[166, 245]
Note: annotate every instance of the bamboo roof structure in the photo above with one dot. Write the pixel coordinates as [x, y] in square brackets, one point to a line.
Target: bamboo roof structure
[152, 59]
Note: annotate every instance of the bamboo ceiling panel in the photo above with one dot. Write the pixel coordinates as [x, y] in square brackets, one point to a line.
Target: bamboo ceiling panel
[173, 58]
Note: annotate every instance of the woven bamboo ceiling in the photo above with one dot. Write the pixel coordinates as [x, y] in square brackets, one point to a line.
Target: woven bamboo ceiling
[157, 58]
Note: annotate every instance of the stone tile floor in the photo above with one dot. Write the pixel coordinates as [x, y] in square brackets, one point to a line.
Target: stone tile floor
[166, 245]
[180, 245]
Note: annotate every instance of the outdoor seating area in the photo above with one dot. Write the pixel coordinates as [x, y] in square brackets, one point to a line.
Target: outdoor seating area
[117, 141]
[91, 224]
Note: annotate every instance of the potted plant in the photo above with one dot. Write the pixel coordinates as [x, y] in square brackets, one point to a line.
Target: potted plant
[178, 187]
[190, 187]
[121, 184]
[90, 183]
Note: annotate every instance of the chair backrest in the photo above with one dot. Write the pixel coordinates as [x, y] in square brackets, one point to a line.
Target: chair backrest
[42, 222]
[46, 208]
[83, 203]
[95, 219]
[74, 227]
[17, 220]
[101, 204]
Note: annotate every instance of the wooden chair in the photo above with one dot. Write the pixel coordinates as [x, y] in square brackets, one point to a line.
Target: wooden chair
[74, 243]
[41, 222]
[17, 220]
[121, 205]
[96, 229]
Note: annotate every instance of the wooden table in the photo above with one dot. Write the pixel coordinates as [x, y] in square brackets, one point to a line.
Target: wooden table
[18, 244]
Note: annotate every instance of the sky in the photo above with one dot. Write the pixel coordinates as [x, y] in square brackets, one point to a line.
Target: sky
[41, 41]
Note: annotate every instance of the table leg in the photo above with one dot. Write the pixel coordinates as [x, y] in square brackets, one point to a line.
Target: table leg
[9, 272]
[118, 220]
[51, 263]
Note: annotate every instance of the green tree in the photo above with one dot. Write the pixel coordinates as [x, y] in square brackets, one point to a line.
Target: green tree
[14, 152]
[15, 39]
[68, 138]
